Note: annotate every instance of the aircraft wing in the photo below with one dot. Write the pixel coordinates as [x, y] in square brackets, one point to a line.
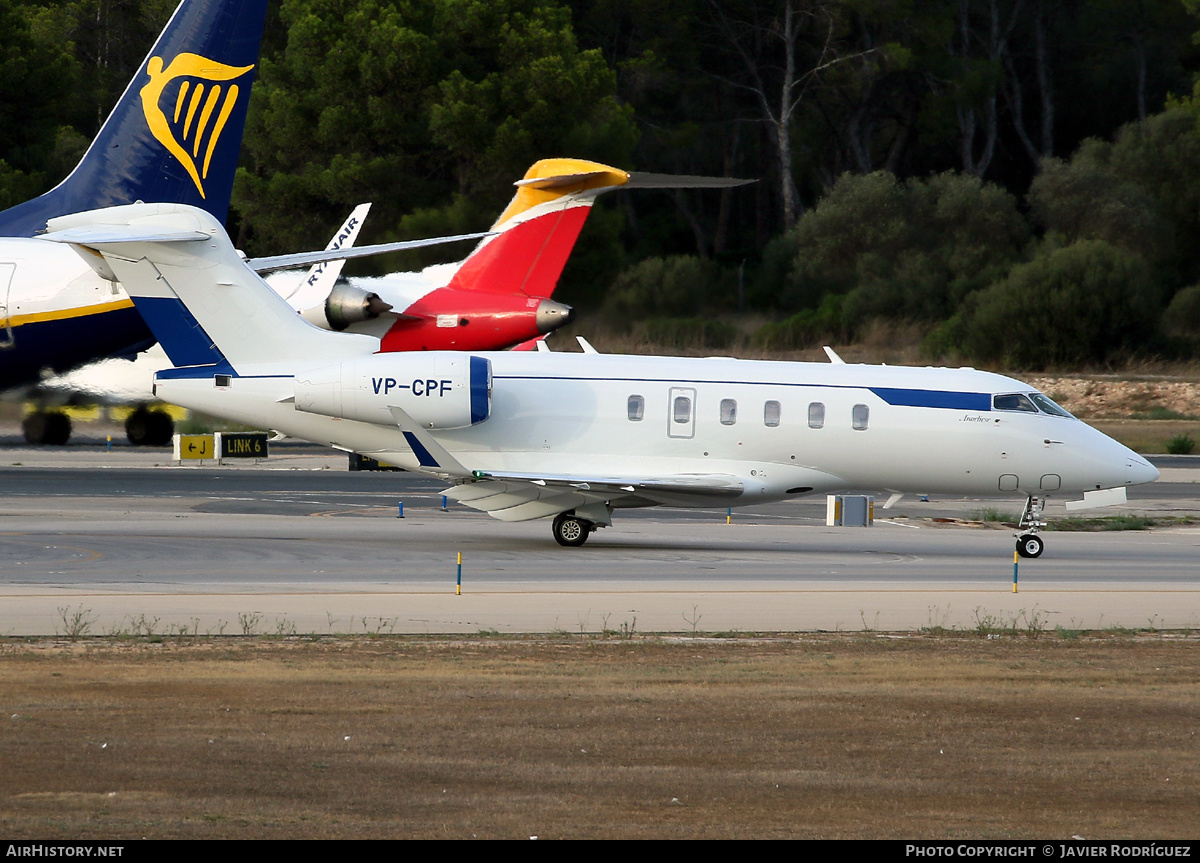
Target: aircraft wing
[521, 497]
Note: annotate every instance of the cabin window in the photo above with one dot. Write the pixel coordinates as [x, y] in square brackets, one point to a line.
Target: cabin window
[816, 415]
[683, 409]
[771, 414]
[728, 412]
[222, 381]
[859, 416]
[1013, 402]
[636, 408]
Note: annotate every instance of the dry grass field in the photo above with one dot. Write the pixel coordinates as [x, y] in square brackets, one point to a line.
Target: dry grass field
[838, 736]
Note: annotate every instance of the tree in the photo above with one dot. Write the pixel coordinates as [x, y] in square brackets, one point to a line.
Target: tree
[911, 249]
[1087, 302]
[37, 79]
[782, 52]
[410, 102]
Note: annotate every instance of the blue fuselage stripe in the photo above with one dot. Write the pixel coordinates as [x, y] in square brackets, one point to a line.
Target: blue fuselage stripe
[934, 399]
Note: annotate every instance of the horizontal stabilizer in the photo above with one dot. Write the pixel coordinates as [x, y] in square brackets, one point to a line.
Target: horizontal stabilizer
[304, 259]
[639, 180]
[563, 180]
[86, 236]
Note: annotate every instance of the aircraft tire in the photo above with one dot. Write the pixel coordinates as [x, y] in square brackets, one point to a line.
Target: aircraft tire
[570, 530]
[149, 428]
[47, 427]
[1030, 545]
[163, 428]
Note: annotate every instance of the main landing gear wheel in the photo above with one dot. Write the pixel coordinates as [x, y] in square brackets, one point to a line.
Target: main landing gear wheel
[149, 427]
[48, 427]
[1030, 545]
[571, 530]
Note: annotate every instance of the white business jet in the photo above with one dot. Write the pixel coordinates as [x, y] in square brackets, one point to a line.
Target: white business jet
[524, 435]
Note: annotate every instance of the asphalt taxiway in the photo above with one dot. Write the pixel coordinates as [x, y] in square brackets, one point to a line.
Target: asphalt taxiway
[127, 541]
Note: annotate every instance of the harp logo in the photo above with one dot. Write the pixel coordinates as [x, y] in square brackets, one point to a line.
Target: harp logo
[201, 108]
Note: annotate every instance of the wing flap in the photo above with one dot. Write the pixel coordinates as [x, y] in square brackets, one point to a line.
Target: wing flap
[701, 485]
[537, 509]
[521, 497]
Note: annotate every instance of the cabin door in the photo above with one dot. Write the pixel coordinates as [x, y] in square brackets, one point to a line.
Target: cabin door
[6, 330]
[681, 413]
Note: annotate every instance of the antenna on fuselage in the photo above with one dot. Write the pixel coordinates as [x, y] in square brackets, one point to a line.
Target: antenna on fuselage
[586, 345]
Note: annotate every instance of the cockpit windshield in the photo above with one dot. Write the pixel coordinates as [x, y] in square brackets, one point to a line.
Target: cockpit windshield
[1048, 405]
[1032, 403]
[1013, 402]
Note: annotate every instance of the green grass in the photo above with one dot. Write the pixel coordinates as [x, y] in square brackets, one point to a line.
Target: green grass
[991, 513]
[1117, 522]
[1146, 436]
[1181, 444]
[1160, 413]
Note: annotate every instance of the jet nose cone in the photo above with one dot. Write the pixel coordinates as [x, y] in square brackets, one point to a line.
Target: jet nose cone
[552, 315]
[1139, 470]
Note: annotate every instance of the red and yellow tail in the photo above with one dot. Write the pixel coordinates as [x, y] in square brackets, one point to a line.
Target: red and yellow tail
[538, 229]
[505, 284]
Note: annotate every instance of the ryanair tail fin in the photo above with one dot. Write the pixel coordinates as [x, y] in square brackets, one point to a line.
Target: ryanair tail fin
[176, 131]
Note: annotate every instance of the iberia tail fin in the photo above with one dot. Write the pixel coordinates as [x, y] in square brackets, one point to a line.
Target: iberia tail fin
[537, 231]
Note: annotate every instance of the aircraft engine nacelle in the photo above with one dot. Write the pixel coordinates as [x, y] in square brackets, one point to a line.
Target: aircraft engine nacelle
[345, 305]
[439, 390]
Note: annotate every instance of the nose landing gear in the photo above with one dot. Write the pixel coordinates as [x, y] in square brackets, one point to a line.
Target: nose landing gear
[1029, 544]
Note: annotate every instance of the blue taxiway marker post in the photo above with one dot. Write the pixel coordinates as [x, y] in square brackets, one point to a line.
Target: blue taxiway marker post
[729, 515]
[1014, 572]
[400, 514]
[443, 503]
[458, 587]
[110, 443]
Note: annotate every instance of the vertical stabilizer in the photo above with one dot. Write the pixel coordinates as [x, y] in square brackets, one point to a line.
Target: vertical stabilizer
[538, 229]
[175, 133]
[201, 301]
